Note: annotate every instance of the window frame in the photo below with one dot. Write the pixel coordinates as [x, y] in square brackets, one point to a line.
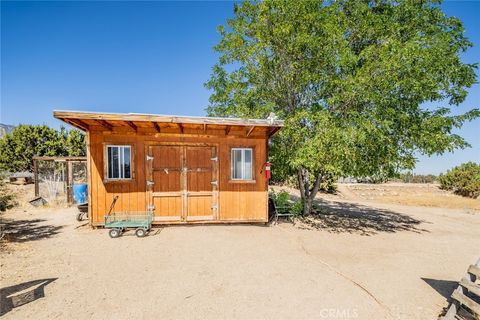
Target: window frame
[106, 162]
[242, 180]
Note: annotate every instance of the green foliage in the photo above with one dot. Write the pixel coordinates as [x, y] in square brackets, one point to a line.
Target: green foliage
[417, 178]
[282, 200]
[297, 207]
[463, 179]
[349, 78]
[25, 141]
[74, 142]
[6, 198]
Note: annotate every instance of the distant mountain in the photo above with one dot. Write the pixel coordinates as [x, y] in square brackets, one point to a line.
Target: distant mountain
[5, 129]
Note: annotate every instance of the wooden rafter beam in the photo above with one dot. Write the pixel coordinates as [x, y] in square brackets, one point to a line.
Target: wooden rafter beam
[227, 130]
[180, 126]
[249, 132]
[132, 125]
[272, 131]
[77, 123]
[156, 126]
[204, 127]
[105, 124]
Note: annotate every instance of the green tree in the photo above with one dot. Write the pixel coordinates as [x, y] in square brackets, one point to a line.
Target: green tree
[349, 78]
[25, 141]
[74, 142]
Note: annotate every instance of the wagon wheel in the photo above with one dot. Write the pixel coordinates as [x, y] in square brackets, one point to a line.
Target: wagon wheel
[114, 233]
[140, 232]
[80, 216]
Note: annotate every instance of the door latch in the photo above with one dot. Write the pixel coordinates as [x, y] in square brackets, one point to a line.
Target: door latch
[149, 157]
[215, 183]
[214, 159]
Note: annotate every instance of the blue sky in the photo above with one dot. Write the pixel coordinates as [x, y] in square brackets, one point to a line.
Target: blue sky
[149, 57]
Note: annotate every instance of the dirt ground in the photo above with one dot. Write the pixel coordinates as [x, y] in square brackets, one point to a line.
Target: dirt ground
[359, 259]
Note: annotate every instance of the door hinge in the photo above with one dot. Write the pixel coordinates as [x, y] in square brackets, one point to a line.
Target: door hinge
[214, 207]
[214, 159]
[150, 183]
[149, 157]
[215, 183]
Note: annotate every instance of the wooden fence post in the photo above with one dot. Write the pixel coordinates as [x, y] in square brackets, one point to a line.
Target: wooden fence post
[69, 182]
[35, 176]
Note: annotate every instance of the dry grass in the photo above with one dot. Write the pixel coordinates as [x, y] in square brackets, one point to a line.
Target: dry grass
[22, 194]
[413, 194]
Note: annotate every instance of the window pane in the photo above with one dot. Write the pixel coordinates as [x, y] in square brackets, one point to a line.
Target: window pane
[114, 162]
[248, 164]
[110, 163]
[237, 164]
[126, 163]
[242, 164]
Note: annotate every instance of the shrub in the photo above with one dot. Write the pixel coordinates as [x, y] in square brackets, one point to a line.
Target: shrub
[463, 180]
[297, 207]
[281, 198]
[6, 198]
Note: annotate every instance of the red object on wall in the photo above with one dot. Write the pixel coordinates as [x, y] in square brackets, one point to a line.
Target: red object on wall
[268, 172]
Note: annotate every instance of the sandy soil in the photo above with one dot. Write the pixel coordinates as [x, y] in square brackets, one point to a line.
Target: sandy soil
[357, 260]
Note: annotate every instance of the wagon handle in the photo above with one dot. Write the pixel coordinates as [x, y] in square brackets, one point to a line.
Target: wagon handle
[113, 204]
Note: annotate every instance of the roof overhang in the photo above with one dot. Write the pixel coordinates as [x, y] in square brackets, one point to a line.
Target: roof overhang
[133, 121]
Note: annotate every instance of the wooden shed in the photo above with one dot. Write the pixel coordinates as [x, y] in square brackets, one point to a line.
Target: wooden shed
[185, 169]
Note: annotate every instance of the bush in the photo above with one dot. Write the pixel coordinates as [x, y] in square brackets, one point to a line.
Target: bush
[282, 199]
[6, 198]
[463, 180]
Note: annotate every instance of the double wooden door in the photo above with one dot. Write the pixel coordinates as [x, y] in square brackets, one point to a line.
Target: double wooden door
[183, 182]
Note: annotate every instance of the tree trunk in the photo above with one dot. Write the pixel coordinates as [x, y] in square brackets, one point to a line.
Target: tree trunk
[308, 194]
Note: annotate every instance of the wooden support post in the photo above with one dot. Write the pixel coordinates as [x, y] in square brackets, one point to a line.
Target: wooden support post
[35, 177]
[69, 182]
[227, 130]
[250, 131]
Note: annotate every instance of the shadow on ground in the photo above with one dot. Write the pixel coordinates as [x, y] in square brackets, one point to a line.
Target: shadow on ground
[26, 230]
[339, 217]
[444, 287]
[23, 293]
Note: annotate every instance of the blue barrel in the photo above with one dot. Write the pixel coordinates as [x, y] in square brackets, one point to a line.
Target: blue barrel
[80, 192]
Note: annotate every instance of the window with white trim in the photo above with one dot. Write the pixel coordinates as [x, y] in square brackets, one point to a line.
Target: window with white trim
[119, 162]
[242, 163]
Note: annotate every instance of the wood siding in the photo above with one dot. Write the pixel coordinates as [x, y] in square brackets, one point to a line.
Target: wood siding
[237, 201]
